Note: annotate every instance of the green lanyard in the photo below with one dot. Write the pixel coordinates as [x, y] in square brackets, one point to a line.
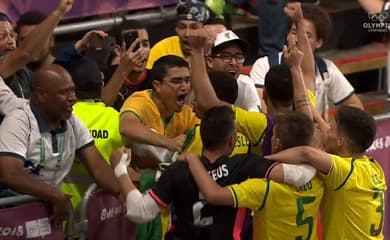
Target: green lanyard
[43, 152]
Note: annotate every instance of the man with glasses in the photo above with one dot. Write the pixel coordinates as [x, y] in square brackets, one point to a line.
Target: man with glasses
[155, 121]
[228, 55]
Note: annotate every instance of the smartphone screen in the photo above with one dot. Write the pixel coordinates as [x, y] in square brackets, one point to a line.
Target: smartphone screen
[129, 38]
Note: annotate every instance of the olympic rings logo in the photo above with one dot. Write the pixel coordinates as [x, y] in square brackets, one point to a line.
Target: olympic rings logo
[378, 16]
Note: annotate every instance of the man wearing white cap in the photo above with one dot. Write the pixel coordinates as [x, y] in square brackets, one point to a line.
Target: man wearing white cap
[228, 55]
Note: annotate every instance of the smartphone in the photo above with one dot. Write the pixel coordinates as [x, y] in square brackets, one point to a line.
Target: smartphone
[100, 49]
[98, 43]
[129, 38]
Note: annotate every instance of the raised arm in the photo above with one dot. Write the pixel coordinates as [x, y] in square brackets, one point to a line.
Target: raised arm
[200, 82]
[294, 59]
[82, 44]
[294, 12]
[35, 41]
[129, 59]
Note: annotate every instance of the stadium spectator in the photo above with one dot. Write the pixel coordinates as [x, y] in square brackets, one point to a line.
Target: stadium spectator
[228, 55]
[101, 121]
[25, 24]
[13, 60]
[191, 14]
[330, 83]
[39, 141]
[158, 117]
[126, 72]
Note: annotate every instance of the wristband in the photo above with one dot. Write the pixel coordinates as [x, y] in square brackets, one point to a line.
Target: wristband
[121, 168]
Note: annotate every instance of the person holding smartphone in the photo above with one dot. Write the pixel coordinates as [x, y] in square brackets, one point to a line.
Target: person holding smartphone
[127, 72]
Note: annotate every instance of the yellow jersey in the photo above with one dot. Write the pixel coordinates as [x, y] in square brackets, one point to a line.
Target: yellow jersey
[256, 126]
[193, 143]
[353, 205]
[142, 105]
[280, 211]
[167, 46]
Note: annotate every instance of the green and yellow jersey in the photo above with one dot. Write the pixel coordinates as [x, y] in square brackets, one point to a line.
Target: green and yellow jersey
[353, 205]
[142, 105]
[256, 126]
[280, 211]
[193, 143]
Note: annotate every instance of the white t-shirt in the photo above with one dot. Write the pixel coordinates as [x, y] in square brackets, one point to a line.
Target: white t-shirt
[338, 87]
[247, 98]
[23, 136]
[8, 100]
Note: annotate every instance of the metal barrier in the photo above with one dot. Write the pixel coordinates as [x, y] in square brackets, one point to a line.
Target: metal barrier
[25, 216]
[102, 216]
[163, 15]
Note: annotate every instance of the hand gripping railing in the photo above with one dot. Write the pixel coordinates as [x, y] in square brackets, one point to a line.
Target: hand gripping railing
[21, 200]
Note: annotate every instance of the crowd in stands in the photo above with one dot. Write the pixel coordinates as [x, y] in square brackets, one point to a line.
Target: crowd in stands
[194, 148]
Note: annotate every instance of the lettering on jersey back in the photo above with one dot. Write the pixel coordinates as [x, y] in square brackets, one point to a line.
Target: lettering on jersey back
[375, 179]
[99, 133]
[308, 186]
[220, 172]
[242, 141]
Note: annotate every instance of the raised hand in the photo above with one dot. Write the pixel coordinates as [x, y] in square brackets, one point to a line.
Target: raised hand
[64, 6]
[294, 11]
[198, 39]
[130, 58]
[83, 43]
[292, 54]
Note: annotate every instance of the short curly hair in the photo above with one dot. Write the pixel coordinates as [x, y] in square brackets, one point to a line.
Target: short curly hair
[320, 19]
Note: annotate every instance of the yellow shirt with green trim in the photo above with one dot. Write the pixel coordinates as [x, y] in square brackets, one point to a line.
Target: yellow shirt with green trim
[253, 125]
[103, 125]
[280, 211]
[167, 46]
[353, 205]
[193, 143]
[142, 105]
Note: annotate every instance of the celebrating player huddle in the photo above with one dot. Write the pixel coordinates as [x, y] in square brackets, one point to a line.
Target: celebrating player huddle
[194, 152]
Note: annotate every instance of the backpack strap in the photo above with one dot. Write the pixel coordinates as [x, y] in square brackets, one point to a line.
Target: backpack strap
[273, 59]
[322, 68]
